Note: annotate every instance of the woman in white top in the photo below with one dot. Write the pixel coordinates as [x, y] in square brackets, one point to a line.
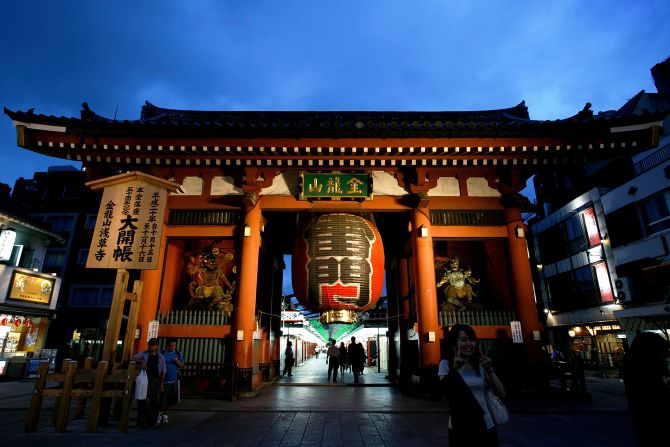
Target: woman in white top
[467, 374]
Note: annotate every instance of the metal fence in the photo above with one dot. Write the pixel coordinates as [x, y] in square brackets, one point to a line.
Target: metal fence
[194, 317]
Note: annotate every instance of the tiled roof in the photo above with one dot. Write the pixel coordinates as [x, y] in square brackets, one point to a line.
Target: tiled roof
[485, 123]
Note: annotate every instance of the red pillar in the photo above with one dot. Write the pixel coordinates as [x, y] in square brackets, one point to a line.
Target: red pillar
[403, 292]
[522, 283]
[245, 311]
[151, 288]
[425, 290]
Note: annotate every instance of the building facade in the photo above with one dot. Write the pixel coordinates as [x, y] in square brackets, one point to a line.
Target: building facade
[28, 294]
[440, 190]
[602, 257]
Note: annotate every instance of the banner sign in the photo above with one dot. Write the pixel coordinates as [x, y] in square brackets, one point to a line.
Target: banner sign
[604, 284]
[31, 288]
[128, 229]
[335, 185]
[591, 225]
[152, 330]
[7, 239]
[517, 334]
[289, 316]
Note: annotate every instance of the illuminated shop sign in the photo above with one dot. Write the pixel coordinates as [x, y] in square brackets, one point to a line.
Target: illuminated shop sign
[7, 239]
[606, 294]
[31, 288]
[591, 225]
[335, 185]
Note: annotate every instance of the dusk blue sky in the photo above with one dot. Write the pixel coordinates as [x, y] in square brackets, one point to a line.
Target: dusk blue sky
[372, 55]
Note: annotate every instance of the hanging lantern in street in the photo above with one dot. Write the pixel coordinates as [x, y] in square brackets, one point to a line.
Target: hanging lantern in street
[338, 266]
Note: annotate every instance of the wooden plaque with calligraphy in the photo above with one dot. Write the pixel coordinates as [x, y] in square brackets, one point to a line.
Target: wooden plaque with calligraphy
[335, 186]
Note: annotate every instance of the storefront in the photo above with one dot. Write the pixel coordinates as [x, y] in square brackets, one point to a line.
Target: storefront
[27, 304]
[601, 346]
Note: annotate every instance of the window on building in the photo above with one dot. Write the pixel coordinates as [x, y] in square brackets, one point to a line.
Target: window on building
[28, 259]
[89, 223]
[585, 286]
[54, 259]
[574, 234]
[575, 289]
[90, 296]
[656, 213]
[60, 224]
[82, 256]
[623, 225]
[552, 245]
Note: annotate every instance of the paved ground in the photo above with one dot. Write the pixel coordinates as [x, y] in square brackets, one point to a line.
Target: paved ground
[306, 410]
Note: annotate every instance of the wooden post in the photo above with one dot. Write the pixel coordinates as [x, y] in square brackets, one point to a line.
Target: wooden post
[135, 299]
[64, 405]
[127, 398]
[36, 399]
[98, 386]
[115, 317]
[81, 402]
[62, 369]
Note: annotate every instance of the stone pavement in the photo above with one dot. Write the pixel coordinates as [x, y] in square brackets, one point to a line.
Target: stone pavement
[306, 410]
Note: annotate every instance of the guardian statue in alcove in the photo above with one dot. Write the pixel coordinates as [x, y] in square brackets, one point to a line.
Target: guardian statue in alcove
[458, 293]
[210, 289]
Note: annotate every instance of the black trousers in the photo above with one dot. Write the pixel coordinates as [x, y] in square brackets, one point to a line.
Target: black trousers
[147, 409]
[333, 367]
[288, 365]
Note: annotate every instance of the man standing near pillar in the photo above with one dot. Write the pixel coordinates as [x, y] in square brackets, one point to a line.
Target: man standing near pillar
[357, 358]
[173, 361]
[154, 363]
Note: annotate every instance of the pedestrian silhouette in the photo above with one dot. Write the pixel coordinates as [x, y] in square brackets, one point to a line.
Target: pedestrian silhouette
[647, 381]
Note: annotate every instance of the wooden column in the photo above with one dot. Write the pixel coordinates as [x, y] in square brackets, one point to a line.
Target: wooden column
[403, 292]
[522, 283]
[245, 311]
[115, 317]
[425, 291]
[171, 273]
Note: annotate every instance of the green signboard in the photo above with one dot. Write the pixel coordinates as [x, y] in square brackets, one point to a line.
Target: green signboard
[335, 185]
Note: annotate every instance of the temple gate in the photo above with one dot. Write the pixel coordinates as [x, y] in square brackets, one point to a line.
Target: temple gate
[441, 188]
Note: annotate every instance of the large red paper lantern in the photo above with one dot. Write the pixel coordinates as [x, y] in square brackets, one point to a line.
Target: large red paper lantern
[338, 264]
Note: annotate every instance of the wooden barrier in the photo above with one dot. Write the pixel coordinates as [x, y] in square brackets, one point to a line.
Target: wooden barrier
[82, 383]
[213, 378]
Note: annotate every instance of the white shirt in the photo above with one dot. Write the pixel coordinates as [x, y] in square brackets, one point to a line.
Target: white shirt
[476, 383]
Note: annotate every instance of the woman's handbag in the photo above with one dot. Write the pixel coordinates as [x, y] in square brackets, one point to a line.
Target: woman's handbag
[141, 385]
[497, 408]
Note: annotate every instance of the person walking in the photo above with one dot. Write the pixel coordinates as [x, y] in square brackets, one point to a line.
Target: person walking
[173, 361]
[647, 385]
[333, 360]
[343, 359]
[288, 359]
[356, 358]
[153, 363]
[467, 375]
